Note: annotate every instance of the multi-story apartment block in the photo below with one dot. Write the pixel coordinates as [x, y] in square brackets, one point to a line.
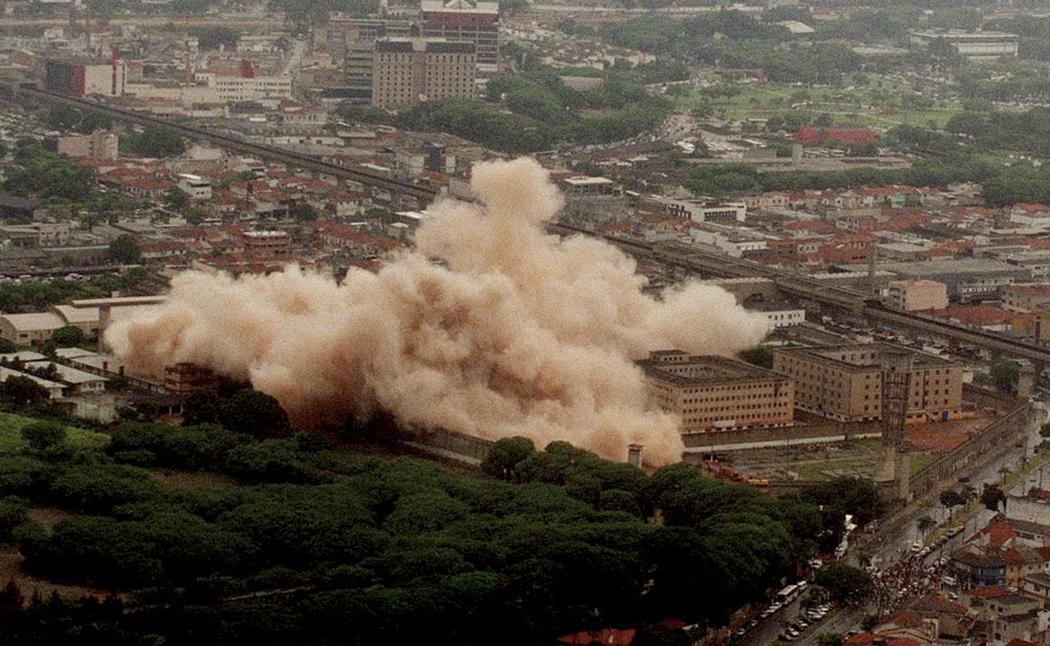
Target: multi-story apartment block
[715, 393]
[844, 382]
[465, 21]
[408, 71]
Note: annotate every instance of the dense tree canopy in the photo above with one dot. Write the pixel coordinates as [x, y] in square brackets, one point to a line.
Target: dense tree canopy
[38, 172]
[844, 582]
[65, 117]
[67, 336]
[154, 141]
[254, 413]
[125, 249]
[33, 296]
[370, 549]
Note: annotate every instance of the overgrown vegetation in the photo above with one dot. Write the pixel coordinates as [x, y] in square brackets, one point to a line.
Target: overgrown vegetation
[154, 141]
[362, 549]
[34, 296]
[38, 172]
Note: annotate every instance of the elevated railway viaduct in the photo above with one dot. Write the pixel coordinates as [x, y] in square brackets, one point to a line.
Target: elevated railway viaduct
[834, 297]
[423, 193]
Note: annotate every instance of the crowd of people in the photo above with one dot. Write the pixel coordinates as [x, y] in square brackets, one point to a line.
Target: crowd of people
[913, 575]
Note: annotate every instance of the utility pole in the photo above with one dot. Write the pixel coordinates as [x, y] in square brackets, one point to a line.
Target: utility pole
[873, 262]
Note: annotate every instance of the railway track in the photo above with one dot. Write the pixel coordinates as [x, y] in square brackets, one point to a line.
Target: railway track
[793, 283]
[422, 192]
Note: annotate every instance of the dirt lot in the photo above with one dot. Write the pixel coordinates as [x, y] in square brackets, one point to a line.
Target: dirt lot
[945, 436]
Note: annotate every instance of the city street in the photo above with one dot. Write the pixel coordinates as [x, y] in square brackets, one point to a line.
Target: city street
[894, 546]
[837, 622]
[768, 629]
[891, 546]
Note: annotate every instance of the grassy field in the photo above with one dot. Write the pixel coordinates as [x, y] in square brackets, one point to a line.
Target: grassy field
[859, 107]
[920, 460]
[11, 439]
[860, 465]
[855, 458]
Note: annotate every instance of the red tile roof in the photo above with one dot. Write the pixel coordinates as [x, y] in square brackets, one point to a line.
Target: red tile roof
[611, 636]
[1032, 208]
[990, 592]
[816, 136]
[976, 315]
[863, 639]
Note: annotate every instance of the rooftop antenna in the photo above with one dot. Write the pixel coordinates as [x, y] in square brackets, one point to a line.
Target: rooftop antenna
[189, 65]
[873, 261]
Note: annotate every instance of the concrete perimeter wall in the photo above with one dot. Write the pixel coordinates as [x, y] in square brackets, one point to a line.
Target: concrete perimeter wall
[999, 436]
[995, 439]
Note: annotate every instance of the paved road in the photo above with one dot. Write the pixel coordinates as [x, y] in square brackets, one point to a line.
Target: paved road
[839, 622]
[250, 22]
[768, 629]
[295, 57]
[896, 543]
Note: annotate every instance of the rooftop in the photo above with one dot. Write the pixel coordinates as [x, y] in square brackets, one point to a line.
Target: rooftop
[34, 321]
[960, 34]
[681, 369]
[1041, 578]
[6, 373]
[67, 374]
[925, 269]
[459, 6]
[22, 355]
[71, 353]
[587, 181]
[869, 355]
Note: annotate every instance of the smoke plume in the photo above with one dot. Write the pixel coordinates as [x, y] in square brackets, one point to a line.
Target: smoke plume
[516, 332]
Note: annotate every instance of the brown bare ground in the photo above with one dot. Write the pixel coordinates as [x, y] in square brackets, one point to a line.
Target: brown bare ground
[941, 437]
[188, 480]
[48, 517]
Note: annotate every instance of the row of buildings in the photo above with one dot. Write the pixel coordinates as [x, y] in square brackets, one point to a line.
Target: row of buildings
[842, 383]
[86, 76]
[392, 60]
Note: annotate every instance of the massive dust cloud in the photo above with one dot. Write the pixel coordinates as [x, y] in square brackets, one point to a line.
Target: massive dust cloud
[516, 333]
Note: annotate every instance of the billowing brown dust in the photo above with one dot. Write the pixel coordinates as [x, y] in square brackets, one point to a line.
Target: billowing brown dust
[519, 333]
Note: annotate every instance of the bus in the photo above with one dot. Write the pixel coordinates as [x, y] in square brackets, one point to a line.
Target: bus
[788, 594]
